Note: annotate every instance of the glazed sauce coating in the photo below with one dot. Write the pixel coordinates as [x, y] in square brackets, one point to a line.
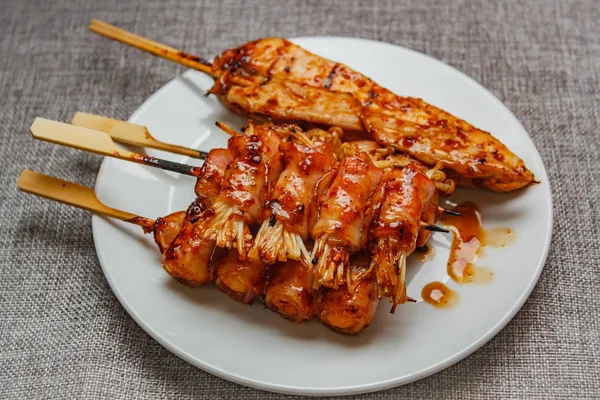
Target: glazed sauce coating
[242, 280]
[247, 179]
[257, 56]
[187, 257]
[405, 193]
[343, 209]
[351, 312]
[290, 292]
[292, 102]
[271, 139]
[213, 170]
[408, 124]
[166, 229]
[296, 184]
[395, 214]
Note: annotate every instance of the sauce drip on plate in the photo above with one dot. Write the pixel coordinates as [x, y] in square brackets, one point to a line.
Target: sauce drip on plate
[439, 295]
[469, 240]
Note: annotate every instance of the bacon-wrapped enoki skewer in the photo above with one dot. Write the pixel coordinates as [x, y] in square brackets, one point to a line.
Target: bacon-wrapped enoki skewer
[396, 210]
[242, 280]
[188, 254]
[386, 159]
[338, 230]
[208, 184]
[166, 229]
[351, 311]
[187, 257]
[290, 292]
[431, 210]
[284, 231]
[245, 187]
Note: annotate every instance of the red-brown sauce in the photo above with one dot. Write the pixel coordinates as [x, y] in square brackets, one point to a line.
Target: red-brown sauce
[439, 295]
[469, 240]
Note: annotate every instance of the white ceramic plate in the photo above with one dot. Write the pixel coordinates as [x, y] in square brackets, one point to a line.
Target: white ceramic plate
[256, 347]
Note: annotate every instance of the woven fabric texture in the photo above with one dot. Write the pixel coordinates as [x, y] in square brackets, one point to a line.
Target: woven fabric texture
[63, 334]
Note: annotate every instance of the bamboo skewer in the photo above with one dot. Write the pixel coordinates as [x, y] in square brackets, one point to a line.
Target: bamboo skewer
[450, 212]
[226, 128]
[433, 228]
[75, 195]
[85, 198]
[132, 134]
[100, 143]
[152, 47]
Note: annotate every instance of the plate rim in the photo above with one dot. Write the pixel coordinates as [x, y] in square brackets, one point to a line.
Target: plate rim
[362, 388]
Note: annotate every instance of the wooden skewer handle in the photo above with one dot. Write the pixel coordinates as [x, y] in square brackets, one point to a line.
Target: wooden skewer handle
[74, 195]
[128, 133]
[77, 137]
[150, 46]
[100, 143]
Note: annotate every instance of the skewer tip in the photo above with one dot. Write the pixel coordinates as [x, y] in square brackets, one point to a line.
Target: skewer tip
[450, 212]
[434, 228]
[226, 128]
